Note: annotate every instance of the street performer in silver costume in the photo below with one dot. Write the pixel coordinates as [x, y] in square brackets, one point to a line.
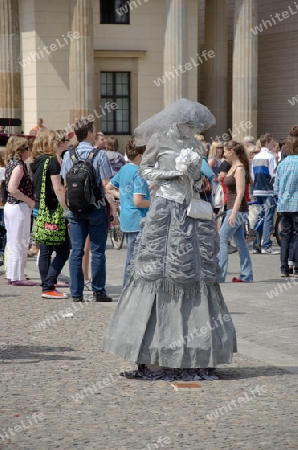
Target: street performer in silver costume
[171, 313]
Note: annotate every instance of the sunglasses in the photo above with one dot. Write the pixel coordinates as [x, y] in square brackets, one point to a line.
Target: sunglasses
[219, 147]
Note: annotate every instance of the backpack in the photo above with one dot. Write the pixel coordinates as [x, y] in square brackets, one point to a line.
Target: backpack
[82, 191]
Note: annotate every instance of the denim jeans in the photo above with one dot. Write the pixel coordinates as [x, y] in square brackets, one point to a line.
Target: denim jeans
[237, 232]
[268, 205]
[289, 232]
[258, 228]
[95, 224]
[131, 240]
[50, 270]
[292, 250]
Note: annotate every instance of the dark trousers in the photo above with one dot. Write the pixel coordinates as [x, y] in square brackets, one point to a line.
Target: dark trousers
[2, 247]
[50, 270]
[289, 232]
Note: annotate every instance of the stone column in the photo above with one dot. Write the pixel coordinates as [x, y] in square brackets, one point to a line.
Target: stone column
[10, 69]
[81, 60]
[175, 51]
[216, 68]
[245, 70]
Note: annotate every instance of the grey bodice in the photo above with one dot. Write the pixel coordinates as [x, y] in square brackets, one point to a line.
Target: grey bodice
[158, 165]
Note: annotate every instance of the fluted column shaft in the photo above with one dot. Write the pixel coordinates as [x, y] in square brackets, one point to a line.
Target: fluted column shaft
[216, 68]
[175, 51]
[81, 60]
[10, 74]
[245, 70]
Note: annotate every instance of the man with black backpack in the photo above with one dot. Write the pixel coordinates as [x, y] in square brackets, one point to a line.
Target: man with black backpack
[86, 171]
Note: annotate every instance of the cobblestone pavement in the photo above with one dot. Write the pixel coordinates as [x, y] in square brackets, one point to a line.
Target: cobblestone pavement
[60, 391]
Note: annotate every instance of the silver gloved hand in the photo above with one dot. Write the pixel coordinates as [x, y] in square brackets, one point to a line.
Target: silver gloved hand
[194, 170]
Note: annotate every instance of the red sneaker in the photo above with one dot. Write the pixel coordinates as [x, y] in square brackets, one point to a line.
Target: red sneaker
[237, 280]
[54, 294]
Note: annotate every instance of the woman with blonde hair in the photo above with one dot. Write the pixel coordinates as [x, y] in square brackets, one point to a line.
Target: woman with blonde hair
[44, 149]
[215, 156]
[63, 145]
[17, 210]
[236, 181]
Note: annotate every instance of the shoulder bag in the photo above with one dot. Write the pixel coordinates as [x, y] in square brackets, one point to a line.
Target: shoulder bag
[49, 228]
[198, 208]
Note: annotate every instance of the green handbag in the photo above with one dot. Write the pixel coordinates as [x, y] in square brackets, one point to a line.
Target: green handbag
[49, 229]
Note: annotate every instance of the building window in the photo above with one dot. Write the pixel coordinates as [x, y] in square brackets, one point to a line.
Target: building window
[115, 88]
[114, 11]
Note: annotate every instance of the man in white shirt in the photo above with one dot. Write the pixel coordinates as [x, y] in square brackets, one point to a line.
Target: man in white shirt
[263, 168]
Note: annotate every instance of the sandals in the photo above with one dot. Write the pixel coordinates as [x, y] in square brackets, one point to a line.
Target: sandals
[22, 283]
[31, 253]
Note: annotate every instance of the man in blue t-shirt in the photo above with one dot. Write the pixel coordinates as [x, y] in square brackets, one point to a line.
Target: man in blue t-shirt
[134, 198]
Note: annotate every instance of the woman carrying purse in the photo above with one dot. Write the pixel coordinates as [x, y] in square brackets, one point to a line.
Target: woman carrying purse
[45, 152]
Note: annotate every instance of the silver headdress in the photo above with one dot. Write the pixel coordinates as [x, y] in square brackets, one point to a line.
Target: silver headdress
[186, 116]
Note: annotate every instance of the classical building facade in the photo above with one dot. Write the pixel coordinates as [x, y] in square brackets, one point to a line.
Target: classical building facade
[124, 61]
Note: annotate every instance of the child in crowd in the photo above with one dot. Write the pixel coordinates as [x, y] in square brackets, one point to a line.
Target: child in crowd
[134, 198]
[115, 158]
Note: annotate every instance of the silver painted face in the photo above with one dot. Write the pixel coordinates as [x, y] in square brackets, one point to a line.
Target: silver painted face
[188, 129]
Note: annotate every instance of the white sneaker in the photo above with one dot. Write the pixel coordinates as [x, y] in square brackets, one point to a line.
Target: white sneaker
[270, 251]
[88, 286]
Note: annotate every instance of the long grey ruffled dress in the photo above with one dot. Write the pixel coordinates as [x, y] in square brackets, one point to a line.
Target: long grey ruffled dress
[171, 311]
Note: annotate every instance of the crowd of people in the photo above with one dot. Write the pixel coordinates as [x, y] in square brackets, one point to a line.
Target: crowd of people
[240, 184]
[175, 262]
[254, 190]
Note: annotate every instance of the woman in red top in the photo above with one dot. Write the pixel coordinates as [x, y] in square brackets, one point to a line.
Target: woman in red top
[236, 181]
